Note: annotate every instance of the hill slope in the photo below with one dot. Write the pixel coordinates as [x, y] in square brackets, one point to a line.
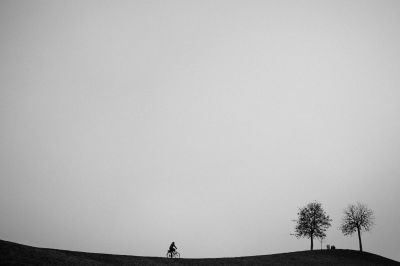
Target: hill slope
[16, 254]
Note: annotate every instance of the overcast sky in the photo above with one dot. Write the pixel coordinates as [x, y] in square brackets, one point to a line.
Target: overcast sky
[126, 125]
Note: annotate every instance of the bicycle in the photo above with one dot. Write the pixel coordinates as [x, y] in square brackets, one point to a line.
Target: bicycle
[173, 255]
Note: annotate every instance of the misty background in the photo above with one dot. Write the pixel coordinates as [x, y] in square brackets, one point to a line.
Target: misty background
[126, 125]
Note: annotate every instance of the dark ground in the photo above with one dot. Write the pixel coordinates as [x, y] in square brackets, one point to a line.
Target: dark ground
[16, 254]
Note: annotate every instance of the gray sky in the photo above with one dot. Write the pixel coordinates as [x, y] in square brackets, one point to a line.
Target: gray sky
[126, 125]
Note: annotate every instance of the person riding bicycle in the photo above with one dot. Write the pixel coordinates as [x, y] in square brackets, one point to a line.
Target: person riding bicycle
[172, 248]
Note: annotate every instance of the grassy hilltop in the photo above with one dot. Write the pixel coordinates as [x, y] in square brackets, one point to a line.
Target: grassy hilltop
[17, 254]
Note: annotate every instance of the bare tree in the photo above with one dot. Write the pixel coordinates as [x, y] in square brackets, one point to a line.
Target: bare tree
[357, 217]
[312, 222]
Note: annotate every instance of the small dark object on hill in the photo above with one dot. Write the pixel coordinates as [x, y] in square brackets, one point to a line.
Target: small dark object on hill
[333, 247]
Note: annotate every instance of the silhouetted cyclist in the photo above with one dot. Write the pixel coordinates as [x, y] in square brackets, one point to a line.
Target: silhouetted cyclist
[172, 248]
[172, 253]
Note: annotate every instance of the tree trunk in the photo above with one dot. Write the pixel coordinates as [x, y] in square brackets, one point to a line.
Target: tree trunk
[312, 242]
[359, 239]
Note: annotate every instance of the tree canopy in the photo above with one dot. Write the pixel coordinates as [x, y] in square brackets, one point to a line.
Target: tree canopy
[357, 218]
[312, 222]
